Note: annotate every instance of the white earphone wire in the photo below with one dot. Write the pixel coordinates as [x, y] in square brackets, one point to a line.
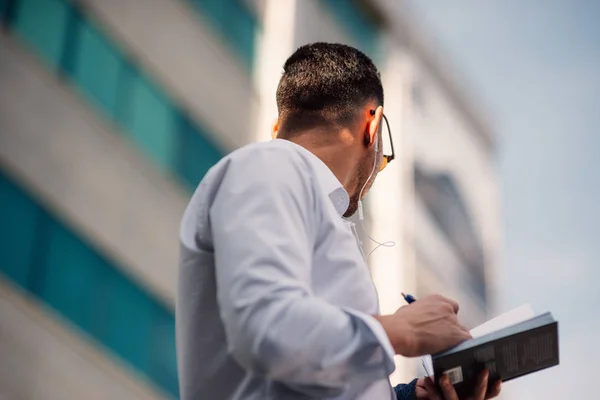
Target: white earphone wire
[389, 243]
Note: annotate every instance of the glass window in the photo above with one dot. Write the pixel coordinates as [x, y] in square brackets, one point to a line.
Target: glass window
[196, 154]
[4, 9]
[17, 232]
[71, 273]
[242, 29]
[162, 348]
[151, 122]
[97, 69]
[127, 78]
[215, 10]
[99, 299]
[233, 20]
[85, 288]
[444, 202]
[358, 26]
[43, 24]
[130, 318]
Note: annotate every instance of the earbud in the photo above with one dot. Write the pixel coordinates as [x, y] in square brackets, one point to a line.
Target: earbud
[360, 211]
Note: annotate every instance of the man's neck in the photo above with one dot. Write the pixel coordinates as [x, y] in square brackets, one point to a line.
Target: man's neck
[337, 156]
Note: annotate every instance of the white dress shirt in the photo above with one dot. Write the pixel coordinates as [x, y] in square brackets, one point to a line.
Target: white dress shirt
[275, 298]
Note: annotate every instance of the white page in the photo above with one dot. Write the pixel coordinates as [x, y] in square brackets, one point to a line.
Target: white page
[509, 318]
[427, 365]
[512, 317]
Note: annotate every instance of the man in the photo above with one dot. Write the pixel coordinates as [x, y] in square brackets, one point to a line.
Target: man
[275, 298]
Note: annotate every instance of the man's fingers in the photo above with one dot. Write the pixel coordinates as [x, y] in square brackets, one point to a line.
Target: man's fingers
[482, 385]
[465, 332]
[432, 391]
[448, 389]
[494, 391]
[460, 333]
[450, 302]
[453, 303]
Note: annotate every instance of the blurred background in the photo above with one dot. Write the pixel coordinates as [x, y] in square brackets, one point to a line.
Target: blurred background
[111, 111]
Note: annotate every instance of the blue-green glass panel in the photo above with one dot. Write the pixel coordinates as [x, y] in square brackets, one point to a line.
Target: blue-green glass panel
[234, 21]
[18, 216]
[164, 359]
[129, 323]
[97, 69]
[152, 122]
[358, 26]
[215, 10]
[43, 23]
[242, 29]
[127, 79]
[85, 288]
[70, 277]
[106, 276]
[72, 42]
[197, 154]
[4, 8]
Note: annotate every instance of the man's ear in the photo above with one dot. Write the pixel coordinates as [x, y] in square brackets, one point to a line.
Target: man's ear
[274, 128]
[373, 127]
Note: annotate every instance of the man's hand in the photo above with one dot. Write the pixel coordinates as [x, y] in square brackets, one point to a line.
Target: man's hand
[426, 389]
[427, 326]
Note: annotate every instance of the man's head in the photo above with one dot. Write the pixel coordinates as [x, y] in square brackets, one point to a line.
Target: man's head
[330, 99]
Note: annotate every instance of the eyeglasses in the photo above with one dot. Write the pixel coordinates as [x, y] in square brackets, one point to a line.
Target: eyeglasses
[386, 158]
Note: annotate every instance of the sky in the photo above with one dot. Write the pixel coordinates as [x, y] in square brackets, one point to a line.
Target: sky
[535, 64]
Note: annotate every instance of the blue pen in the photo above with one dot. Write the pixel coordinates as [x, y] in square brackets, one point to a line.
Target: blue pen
[409, 298]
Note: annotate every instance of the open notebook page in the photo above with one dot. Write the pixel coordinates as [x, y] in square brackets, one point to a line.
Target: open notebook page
[512, 317]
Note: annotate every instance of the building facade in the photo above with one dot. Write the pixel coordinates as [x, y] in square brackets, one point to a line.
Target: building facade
[111, 111]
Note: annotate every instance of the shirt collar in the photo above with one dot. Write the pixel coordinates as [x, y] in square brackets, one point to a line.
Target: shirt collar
[327, 180]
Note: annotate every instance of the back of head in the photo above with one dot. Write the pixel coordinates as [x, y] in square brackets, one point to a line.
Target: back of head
[325, 84]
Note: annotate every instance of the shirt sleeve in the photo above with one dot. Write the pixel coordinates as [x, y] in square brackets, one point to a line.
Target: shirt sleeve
[406, 391]
[263, 222]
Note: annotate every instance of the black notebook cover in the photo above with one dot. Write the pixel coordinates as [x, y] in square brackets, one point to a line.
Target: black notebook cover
[508, 353]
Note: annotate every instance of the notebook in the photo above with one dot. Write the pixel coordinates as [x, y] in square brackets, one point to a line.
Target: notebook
[511, 345]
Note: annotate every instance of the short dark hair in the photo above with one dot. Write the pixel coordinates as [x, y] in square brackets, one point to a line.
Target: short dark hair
[325, 83]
